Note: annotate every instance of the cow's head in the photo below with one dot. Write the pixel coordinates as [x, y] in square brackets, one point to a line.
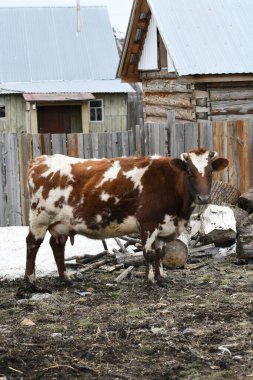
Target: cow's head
[199, 165]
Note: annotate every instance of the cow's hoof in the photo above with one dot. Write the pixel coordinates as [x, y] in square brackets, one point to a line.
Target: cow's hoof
[63, 282]
[29, 289]
[163, 282]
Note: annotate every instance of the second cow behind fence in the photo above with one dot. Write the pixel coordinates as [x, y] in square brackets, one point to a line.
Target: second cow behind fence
[103, 198]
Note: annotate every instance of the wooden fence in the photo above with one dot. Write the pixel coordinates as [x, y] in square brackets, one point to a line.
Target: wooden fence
[17, 149]
[232, 139]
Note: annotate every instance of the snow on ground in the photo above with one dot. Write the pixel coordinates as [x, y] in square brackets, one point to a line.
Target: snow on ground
[13, 252]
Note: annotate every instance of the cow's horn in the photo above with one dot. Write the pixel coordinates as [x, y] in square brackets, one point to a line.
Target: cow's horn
[213, 155]
[184, 156]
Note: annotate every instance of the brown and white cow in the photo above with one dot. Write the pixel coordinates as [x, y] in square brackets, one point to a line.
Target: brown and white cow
[104, 198]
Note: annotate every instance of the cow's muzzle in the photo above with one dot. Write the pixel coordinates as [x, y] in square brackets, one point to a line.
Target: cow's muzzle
[202, 199]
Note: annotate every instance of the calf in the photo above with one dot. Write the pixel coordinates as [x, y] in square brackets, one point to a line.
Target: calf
[104, 198]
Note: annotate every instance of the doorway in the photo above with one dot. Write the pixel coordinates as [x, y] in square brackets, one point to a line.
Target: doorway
[59, 119]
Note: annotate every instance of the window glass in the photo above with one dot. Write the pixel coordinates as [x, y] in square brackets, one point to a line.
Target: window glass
[96, 110]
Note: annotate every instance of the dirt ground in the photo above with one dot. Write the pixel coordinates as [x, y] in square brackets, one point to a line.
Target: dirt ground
[200, 327]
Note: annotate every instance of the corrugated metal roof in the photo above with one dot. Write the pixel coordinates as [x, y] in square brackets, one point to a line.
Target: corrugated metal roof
[46, 87]
[207, 36]
[41, 44]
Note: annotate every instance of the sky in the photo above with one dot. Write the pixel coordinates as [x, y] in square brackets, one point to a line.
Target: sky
[119, 10]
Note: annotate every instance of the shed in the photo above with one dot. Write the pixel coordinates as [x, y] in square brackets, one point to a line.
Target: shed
[58, 71]
[193, 56]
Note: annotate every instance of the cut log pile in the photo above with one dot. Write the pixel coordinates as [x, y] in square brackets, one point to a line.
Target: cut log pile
[211, 227]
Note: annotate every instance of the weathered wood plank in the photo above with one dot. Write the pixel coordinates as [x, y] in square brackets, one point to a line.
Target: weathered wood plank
[167, 99]
[190, 136]
[167, 86]
[177, 142]
[72, 145]
[2, 181]
[24, 158]
[232, 93]
[186, 114]
[59, 145]
[13, 181]
[205, 134]
[87, 145]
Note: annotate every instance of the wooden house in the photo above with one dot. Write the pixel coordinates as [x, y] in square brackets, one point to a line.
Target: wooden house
[57, 71]
[192, 56]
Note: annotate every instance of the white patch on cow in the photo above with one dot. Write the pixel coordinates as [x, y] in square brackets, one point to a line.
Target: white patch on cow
[151, 239]
[155, 157]
[60, 163]
[162, 274]
[110, 173]
[89, 167]
[31, 278]
[168, 227]
[116, 200]
[128, 226]
[51, 214]
[104, 196]
[200, 161]
[151, 276]
[136, 175]
[98, 218]
[30, 181]
[66, 276]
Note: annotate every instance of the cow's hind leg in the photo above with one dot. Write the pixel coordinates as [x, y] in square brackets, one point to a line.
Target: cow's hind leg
[32, 245]
[150, 260]
[58, 247]
[160, 276]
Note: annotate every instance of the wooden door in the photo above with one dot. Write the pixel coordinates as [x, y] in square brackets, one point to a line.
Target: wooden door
[53, 119]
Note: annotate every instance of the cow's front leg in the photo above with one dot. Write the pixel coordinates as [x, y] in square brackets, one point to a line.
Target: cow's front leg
[160, 252]
[58, 248]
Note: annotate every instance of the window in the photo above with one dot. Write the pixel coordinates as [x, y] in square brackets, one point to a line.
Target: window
[96, 110]
[2, 111]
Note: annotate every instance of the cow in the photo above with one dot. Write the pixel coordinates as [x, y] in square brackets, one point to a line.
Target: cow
[104, 198]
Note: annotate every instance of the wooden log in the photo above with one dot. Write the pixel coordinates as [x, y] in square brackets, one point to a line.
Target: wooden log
[167, 86]
[91, 258]
[244, 246]
[187, 114]
[218, 225]
[201, 248]
[121, 245]
[165, 99]
[176, 254]
[224, 193]
[123, 275]
[131, 260]
[95, 265]
[246, 201]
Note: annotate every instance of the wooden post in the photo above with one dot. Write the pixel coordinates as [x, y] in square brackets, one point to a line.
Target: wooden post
[85, 117]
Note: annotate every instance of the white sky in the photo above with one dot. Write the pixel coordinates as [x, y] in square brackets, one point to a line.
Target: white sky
[119, 10]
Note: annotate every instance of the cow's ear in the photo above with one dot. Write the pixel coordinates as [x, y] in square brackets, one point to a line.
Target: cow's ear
[219, 164]
[178, 164]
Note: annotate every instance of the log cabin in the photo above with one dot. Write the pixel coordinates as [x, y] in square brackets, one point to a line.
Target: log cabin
[192, 56]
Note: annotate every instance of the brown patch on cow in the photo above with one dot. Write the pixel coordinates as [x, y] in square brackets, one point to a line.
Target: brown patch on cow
[198, 151]
[59, 202]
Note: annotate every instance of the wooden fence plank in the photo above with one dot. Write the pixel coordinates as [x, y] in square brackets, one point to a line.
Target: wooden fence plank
[246, 157]
[108, 145]
[13, 181]
[46, 143]
[72, 145]
[101, 145]
[2, 181]
[205, 139]
[177, 142]
[59, 145]
[190, 136]
[131, 143]
[24, 158]
[94, 145]
[115, 150]
[36, 145]
[87, 145]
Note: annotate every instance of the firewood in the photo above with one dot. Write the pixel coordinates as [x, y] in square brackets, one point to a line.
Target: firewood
[121, 245]
[95, 265]
[91, 258]
[123, 275]
[201, 248]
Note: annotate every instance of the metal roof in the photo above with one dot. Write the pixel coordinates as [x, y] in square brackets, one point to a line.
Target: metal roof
[206, 36]
[82, 86]
[42, 44]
